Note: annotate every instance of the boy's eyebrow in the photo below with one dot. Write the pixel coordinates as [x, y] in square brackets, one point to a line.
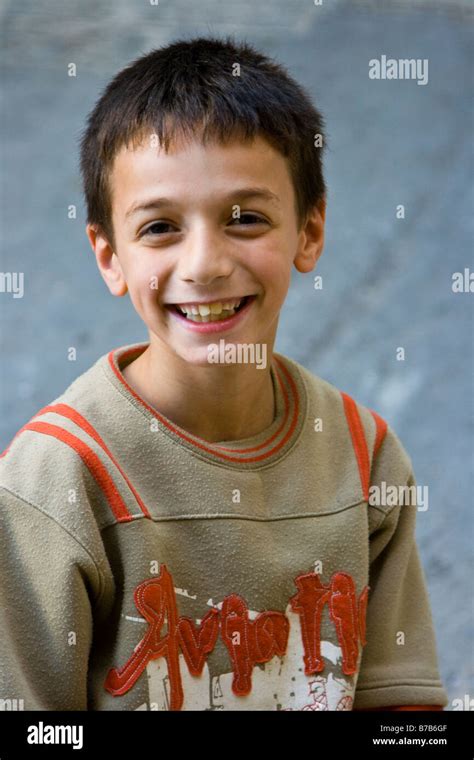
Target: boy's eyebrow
[243, 193]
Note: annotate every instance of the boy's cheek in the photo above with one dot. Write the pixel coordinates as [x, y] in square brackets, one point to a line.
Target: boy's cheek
[145, 300]
[146, 287]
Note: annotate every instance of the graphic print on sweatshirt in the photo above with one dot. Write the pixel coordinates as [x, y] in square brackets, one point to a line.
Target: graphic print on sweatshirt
[277, 659]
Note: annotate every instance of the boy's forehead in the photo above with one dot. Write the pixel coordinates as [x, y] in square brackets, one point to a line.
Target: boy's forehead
[194, 167]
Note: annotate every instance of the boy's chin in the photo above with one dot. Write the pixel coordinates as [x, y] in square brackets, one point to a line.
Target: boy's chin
[202, 356]
[216, 352]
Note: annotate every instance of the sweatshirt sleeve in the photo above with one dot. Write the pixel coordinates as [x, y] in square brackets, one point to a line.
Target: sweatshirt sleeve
[399, 663]
[47, 583]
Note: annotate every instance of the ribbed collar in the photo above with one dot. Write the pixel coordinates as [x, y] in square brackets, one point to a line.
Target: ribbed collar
[255, 452]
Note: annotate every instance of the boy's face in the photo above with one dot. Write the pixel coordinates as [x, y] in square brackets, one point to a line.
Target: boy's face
[189, 246]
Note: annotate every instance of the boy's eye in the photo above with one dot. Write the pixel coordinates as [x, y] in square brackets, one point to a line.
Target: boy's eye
[243, 219]
[154, 226]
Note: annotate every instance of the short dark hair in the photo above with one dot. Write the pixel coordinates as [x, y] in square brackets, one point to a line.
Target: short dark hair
[190, 85]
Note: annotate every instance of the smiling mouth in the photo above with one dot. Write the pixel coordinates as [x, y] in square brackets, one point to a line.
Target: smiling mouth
[210, 312]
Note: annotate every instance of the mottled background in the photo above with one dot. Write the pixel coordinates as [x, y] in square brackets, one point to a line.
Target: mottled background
[387, 282]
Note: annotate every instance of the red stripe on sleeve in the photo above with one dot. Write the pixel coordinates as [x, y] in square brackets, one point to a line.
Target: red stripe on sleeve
[92, 462]
[80, 421]
[358, 441]
[381, 431]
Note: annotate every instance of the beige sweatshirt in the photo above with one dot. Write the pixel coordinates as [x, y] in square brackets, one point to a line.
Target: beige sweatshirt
[143, 568]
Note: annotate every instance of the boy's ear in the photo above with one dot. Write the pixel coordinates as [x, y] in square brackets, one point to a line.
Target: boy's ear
[311, 238]
[107, 261]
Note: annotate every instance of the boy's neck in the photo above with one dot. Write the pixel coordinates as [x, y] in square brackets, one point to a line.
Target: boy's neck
[215, 403]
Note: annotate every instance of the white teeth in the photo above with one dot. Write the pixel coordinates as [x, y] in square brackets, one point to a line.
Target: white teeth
[210, 312]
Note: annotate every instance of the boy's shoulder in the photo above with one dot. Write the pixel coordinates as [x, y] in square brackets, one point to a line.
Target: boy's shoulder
[332, 399]
[46, 465]
[346, 424]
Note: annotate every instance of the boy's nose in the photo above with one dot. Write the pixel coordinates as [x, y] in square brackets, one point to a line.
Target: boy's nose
[205, 256]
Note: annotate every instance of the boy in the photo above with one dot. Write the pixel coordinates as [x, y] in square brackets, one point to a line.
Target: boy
[188, 527]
